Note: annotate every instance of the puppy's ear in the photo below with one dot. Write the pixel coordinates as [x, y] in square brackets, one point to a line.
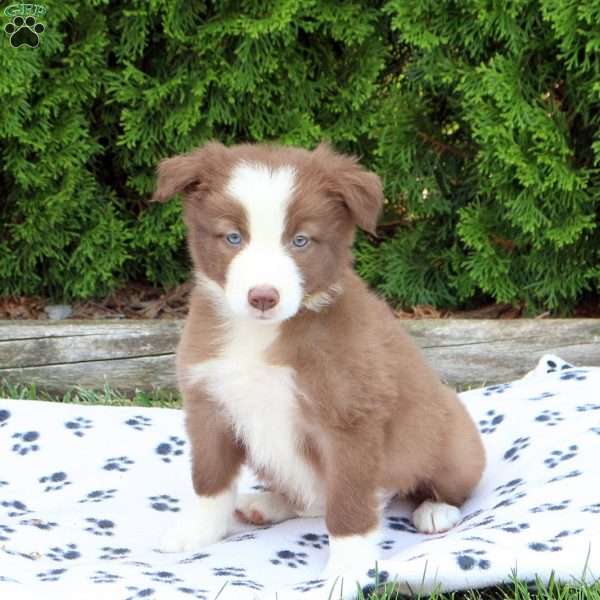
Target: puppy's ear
[188, 172]
[360, 190]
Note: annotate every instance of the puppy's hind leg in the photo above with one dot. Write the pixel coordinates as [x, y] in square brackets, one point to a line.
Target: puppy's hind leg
[263, 507]
[462, 460]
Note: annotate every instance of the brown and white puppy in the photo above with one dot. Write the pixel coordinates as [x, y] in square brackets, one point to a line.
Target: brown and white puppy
[289, 364]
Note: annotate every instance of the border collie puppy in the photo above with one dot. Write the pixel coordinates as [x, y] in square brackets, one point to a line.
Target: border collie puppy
[290, 364]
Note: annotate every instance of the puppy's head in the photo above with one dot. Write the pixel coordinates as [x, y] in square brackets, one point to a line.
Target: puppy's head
[270, 228]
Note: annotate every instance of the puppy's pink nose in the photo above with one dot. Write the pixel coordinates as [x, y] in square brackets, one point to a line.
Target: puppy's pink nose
[263, 297]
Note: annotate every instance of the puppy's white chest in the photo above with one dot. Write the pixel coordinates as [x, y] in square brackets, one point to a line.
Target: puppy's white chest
[260, 400]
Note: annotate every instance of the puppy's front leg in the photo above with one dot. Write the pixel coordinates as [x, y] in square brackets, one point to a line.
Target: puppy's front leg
[216, 460]
[353, 460]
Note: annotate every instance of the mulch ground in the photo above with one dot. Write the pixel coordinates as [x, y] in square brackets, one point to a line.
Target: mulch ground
[139, 301]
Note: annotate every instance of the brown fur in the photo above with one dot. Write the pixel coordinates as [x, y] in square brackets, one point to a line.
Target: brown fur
[373, 413]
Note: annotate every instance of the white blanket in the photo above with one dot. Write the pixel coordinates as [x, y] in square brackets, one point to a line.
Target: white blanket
[87, 491]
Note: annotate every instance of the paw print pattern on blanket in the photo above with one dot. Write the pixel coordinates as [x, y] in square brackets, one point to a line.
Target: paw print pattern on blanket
[99, 495]
[4, 416]
[139, 422]
[78, 426]
[558, 456]
[55, 481]
[102, 527]
[290, 558]
[119, 476]
[472, 559]
[164, 502]
[491, 422]
[119, 463]
[68, 552]
[167, 450]
[27, 442]
[514, 452]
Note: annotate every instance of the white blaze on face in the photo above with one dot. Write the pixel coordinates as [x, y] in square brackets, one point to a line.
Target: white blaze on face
[264, 261]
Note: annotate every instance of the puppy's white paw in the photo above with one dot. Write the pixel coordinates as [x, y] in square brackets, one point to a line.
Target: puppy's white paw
[206, 523]
[435, 517]
[189, 534]
[264, 507]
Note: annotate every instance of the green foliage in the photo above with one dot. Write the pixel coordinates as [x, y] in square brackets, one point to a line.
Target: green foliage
[482, 120]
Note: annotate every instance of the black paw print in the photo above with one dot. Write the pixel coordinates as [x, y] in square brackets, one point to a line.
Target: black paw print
[247, 583]
[470, 559]
[51, 575]
[553, 367]
[518, 446]
[5, 532]
[27, 442]
[509, 487]
[114, 553]
[166, 450]
[164, 503]
[558, 456]
[104, 577]
[469, 520]
[193, 558]
[576, 374]
[99, 495]
[229, 572]
[139, 422]
[79, 425]
[542, 396]
[401, 524]
[119, 463]
[240, 538]
[548, 506]
[595, 430]
[24, 32]
[387, 544]
[379, 578]
[19, 508]
[489, 424]
[569, 475]
[549, 417]
[69, 552]
[4, 416]
[56, 481]
[587, 407]
[311, 584]
[139, 592]
[3, 483]
[512, 527]
[543, 547]
[197, 593]
[43, 525]
[510, 500]
[315, 540]
[499, 388]
[163, 576]
[289, 558]
[100, 526]
[592, 508]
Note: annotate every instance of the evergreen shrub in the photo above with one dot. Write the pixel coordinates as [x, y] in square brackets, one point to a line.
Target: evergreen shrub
[481, 118]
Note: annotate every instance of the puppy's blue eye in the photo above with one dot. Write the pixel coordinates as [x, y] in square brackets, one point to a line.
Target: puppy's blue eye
[234, 238]
[300, 241]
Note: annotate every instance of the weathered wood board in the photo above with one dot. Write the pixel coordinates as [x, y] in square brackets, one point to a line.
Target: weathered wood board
[132, 355]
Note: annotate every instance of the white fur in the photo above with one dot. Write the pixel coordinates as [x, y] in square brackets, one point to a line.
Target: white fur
[317, 302]
[352, 554]
[265, 195]
[272, 507]
[260, 399]
[205, 524]
[435, 517]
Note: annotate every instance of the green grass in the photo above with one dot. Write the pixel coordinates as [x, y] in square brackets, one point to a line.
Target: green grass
[79, 395]
[516, 590]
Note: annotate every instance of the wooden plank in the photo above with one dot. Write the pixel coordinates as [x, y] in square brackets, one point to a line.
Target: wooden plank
[132, 355]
